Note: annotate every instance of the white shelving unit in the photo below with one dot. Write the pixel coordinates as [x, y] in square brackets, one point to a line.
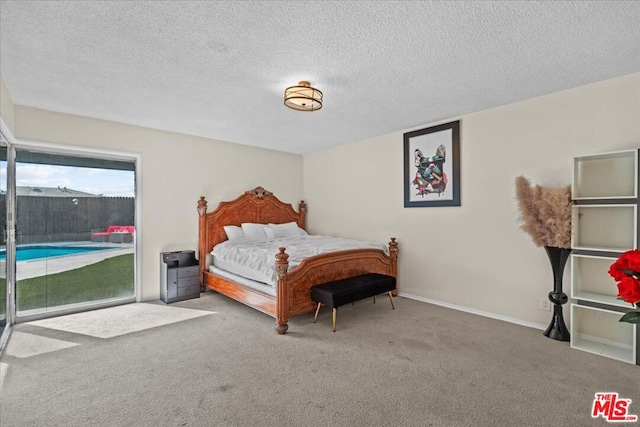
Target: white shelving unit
[604, 224]
[609, 228]
[590, 280]
[599, 331]
[606, 176]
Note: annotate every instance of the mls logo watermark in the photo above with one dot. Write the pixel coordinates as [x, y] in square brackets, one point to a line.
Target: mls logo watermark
[612, 408]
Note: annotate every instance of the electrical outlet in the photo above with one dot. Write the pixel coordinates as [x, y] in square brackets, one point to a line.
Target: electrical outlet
[545, 304]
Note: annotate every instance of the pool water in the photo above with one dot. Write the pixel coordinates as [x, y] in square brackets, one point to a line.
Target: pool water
[27, 253]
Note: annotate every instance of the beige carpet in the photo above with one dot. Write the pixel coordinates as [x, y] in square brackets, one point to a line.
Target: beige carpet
[27, 345]
[418, 365]
[121, 320]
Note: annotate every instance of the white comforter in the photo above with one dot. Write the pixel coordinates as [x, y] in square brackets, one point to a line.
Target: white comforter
[259, 255]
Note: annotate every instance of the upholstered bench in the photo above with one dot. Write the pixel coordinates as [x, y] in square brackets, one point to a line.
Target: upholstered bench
[340, 292]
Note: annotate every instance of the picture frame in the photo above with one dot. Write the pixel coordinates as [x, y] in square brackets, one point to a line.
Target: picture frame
[431, 173]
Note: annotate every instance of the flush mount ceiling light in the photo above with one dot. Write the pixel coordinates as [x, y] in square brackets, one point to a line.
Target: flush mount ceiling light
[303, 97]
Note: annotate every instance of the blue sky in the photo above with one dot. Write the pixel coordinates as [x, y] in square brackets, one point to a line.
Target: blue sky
[96, 181]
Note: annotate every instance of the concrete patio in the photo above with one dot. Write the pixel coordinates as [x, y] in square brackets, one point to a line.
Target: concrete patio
[41, 267]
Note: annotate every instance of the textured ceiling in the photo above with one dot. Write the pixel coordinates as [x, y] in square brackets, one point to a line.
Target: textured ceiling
[219, 69]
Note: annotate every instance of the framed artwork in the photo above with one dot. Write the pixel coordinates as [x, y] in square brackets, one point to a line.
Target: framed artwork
[432, 166]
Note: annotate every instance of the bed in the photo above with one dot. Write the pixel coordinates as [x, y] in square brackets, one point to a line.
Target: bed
[291, 295]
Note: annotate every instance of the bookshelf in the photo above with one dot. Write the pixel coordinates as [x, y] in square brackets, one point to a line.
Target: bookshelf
[604, 225]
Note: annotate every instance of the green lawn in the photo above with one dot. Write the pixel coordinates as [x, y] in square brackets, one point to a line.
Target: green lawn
[111, 278]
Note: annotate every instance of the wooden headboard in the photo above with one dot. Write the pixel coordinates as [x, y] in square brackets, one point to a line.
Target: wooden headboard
[257, 206]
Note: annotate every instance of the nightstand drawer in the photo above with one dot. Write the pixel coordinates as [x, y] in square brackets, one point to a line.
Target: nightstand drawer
[188, 281]
[188, 271]
[189, 290]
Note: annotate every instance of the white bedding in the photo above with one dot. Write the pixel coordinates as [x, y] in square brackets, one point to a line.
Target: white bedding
[255, 259]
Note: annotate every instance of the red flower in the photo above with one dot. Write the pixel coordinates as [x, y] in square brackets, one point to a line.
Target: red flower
[629, 289]
[629, 260]
[626, 271]
[616, 271]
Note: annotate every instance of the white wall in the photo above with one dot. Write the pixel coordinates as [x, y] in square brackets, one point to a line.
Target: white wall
[474, 256]
[176, 170]
[6, 105]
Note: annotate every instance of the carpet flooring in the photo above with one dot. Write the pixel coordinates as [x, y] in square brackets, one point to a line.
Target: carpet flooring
[417, 365]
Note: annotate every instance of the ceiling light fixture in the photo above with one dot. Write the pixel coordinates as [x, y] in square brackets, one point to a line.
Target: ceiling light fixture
[303, 97]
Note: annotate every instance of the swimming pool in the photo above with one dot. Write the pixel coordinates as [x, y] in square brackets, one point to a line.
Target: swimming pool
[31, 252]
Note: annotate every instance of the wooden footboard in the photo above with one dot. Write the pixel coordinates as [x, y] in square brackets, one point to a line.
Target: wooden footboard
[294, 287]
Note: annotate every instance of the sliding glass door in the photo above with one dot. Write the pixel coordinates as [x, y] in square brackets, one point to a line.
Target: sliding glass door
[75, 232]
[7, 240]
[3, 241]
[68, 241]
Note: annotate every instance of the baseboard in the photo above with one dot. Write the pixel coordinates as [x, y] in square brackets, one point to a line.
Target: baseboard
[474, 311]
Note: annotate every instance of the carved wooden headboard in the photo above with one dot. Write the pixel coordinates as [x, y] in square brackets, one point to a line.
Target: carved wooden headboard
[257, 206]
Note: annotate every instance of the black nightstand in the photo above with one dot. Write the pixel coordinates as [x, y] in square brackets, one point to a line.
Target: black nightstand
[179, 276]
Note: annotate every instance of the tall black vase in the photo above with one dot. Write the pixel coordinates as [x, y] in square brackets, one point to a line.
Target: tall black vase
[558, 257]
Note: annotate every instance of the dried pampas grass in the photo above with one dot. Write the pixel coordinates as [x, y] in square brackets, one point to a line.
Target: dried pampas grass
[545, 213]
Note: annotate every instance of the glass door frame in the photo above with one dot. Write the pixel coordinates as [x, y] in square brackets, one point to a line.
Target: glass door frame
[10, 262]
[83, 152]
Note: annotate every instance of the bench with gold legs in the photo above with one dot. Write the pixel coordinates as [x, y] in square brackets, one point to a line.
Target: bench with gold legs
[344, 291]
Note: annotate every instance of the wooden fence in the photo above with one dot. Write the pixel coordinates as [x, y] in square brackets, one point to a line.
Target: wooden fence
[57, 219]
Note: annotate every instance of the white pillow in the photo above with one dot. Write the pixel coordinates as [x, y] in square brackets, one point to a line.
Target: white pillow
[233, 232]
[254, 231]
[289, 229]
[269, 232]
